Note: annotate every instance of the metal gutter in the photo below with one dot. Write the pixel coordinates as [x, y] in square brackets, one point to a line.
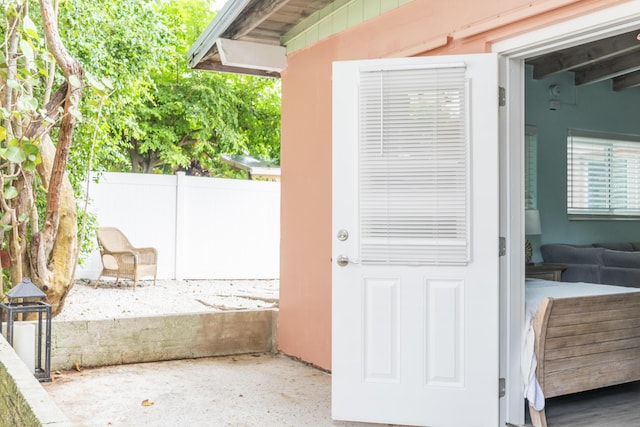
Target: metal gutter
[224, 18]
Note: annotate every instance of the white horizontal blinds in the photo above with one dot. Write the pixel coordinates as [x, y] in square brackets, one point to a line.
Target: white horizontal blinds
[413, 166]
[603, 174]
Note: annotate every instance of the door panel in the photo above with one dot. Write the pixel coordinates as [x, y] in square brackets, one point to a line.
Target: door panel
[415, 241]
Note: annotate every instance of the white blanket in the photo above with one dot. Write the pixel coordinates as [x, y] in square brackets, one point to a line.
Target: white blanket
[535, 291]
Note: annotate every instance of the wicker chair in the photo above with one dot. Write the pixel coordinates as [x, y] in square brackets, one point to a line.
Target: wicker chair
[121, 260]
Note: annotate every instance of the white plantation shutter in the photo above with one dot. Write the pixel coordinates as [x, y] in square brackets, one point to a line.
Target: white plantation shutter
[603, 175]
[414, 166]
[530, 168]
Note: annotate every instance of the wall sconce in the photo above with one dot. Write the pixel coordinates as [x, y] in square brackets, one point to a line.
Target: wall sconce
[26, 338]
[554, 97]
[532, 227]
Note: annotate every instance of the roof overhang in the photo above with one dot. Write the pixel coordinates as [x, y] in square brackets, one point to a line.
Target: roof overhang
[245, 36]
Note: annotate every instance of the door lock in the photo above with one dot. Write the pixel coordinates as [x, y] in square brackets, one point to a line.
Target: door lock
[343, 235]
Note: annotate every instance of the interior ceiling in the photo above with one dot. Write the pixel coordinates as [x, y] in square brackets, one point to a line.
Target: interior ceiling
[615, 58]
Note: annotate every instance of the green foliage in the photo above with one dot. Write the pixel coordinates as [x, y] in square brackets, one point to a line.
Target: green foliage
[25, 84]
[161, 115]
[125, 42]
[205, 114]
[194, 115]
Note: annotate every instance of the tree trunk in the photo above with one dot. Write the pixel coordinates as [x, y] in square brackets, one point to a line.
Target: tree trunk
[59, 265]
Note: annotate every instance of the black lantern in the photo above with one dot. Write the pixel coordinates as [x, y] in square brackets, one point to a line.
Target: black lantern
[25, 298]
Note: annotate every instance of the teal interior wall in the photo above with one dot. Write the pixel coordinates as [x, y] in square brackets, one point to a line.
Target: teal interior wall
[592, 107]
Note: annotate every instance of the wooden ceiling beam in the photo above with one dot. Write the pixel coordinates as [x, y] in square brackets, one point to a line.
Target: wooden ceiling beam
[589, 53]
[626, 81]
[262, 36]
[607, 69]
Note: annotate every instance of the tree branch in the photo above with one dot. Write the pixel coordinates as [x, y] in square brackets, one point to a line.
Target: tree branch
[72, 72]
[52, 69]
[39, 127]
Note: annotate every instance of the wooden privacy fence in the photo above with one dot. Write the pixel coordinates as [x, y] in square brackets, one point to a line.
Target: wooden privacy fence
[203, 228]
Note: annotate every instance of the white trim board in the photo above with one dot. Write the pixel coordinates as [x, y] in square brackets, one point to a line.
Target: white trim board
[590, 27]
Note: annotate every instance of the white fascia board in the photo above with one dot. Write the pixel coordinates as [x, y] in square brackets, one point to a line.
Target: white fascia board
[259, 56]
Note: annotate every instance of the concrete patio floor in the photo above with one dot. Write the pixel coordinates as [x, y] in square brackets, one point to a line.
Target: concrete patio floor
[240, 391]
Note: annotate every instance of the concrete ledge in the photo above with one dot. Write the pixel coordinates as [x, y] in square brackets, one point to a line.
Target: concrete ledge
[150, 339]
[23, 401]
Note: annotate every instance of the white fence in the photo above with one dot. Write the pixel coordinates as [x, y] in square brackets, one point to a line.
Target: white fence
[203, 228]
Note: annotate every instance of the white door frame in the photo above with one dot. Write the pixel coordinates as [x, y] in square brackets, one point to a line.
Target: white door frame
[593, 26]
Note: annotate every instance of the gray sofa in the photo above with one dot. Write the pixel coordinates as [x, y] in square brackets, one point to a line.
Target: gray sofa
[607, 263]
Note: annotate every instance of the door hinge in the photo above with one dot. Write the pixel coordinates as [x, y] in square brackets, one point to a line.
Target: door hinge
[502, 96]
[502, 246]
[502, 386]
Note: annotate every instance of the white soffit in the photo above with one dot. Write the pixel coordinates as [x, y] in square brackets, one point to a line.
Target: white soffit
[259, 56]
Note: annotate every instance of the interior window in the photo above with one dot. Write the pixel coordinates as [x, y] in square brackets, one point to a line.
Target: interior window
[603, 175]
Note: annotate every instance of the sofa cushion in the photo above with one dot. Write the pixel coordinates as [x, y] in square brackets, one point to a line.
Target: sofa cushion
[621, 259]
[568, 254]
[616, 246]
[620, 276]
[582, 273]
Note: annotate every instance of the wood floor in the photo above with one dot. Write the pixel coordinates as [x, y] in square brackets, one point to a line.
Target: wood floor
[617, 406]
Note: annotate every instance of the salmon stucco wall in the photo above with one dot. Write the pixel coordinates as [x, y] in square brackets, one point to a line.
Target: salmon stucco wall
[417, 28]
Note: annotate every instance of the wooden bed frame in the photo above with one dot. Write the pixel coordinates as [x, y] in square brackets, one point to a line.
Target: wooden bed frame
[584, 343]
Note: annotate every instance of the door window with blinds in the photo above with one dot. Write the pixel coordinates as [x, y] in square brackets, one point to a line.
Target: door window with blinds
[414, 166]
[603, 175]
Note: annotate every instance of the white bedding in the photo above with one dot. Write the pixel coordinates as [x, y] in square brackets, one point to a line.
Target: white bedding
[535, 291]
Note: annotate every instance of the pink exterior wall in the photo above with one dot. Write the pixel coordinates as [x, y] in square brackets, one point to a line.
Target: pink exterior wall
[418, 28]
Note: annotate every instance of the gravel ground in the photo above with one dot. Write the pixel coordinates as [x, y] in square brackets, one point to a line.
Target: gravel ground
[110, 301]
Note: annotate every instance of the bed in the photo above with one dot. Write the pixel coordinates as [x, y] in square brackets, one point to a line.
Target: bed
[578, 337]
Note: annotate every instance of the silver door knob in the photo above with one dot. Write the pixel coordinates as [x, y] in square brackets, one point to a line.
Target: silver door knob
[342, 260]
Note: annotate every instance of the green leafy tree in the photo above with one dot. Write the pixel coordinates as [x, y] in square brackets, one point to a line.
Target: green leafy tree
[194, 116]
[126, 42]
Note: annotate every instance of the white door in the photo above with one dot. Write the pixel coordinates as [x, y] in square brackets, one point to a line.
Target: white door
[415, 241]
